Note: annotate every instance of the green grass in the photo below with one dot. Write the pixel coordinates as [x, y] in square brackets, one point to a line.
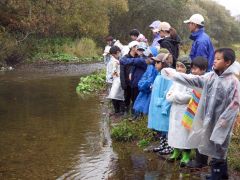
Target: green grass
[133, 131]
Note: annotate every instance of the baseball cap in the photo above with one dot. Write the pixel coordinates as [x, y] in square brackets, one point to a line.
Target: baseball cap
[132, 44]
[160, 57]
[165, 26]
[151, 50]
[196, 19]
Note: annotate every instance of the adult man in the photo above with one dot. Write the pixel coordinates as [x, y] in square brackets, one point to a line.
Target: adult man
[202, 45]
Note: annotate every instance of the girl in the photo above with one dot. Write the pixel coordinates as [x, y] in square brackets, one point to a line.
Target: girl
[116, 92]
[159, 108]
[179, 96]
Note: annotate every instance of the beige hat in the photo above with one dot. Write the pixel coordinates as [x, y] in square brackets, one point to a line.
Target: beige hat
[160, 57]
[165, 26]
[196, 19]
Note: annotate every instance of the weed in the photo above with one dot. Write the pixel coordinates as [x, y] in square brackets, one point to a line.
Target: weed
[91, 83]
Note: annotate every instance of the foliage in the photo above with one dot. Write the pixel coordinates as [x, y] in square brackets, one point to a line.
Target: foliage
[128, 131]
[91, 83]
[234, 153]
[64, 49]
[84, 47]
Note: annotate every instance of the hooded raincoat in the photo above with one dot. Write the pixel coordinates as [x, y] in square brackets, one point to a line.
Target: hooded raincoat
[116, 91]
[159, 108]
[142, 102]
[179, 96]
[217, 109]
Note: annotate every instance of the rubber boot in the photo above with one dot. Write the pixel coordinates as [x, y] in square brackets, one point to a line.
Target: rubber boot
[185, 158]
[199, 162]
[175, 155]
[219, 170]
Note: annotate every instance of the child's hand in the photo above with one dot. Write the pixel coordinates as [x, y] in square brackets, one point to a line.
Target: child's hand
[223, 123]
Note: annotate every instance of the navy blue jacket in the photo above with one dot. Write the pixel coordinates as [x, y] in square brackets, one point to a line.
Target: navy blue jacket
[202, 46]
[139, 67]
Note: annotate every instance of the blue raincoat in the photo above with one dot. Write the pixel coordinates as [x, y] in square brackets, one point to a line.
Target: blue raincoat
[202, 46]
[159, 108]
[144, 86]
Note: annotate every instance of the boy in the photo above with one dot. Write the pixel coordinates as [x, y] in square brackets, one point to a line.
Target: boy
[125, 73]
[217, 109]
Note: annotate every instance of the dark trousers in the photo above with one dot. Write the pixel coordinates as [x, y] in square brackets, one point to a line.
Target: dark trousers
[134, 94]
[200, 158]
[118, 105]
[127, 96]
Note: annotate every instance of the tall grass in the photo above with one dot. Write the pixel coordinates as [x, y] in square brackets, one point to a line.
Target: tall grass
[84, 47]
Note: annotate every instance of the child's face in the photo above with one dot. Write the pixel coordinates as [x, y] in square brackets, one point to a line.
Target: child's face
[219, 64]
[180, 68]
[109, 43]
[158, 65]
[133, 37]
[197, 71]
[117, 55]
[139, 52]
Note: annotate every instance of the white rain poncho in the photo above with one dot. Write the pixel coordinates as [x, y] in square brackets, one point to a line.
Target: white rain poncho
[179, 96]
[116, 91]
[217, 109]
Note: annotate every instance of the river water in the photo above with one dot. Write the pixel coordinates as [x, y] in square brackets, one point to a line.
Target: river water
[48, 132]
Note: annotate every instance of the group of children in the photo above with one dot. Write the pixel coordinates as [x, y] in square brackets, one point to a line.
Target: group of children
[188, 107]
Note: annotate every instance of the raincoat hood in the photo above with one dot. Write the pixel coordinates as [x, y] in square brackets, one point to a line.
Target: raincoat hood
[232, 69]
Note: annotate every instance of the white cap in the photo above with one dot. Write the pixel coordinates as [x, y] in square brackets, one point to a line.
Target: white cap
[196, 19]
[165, 26]
[132, 44]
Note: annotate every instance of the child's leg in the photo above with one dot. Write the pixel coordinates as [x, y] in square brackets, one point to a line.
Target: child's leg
[199, 162]
[121, 107]
[219, 169]
[115, 105]
[185, 157]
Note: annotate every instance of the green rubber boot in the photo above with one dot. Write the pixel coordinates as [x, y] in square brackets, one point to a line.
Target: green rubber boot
[175, 155]
[185, 158]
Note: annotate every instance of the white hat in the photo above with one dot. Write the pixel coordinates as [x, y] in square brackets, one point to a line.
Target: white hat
[132, 44]
[165, 26]
[196, 19]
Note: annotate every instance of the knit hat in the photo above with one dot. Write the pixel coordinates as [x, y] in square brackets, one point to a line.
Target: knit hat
[185, 60]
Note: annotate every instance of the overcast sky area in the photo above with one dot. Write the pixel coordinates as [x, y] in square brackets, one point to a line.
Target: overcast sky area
[232, 5]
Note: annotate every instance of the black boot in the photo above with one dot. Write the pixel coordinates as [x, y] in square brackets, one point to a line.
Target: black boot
[219, 170]
[200, 161]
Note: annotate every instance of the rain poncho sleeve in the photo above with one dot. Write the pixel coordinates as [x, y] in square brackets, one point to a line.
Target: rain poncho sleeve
[147, 79]
[178, 97]
[227, 118]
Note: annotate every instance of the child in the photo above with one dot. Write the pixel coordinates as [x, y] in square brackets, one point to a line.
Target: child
[106, 55]
[217, 109]
[169, 40]
[116, 92]
[125, 73]
[155, 26]
[139, 67]
[199, 66]
[137, 36]
[159, 108]
[179, 96]
[142, 101]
